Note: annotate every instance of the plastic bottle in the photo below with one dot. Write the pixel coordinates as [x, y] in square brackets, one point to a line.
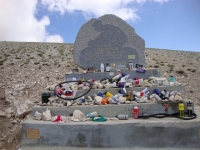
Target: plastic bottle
[92, 114]
[135, 112]
[117, 77]
[122, 117]
[107, 67]
[181, 109]
[102, 67]
[189, 109]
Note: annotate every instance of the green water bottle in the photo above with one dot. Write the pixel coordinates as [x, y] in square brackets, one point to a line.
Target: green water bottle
[181, 109]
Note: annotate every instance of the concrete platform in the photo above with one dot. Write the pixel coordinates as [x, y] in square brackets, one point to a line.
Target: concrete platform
[132, 133]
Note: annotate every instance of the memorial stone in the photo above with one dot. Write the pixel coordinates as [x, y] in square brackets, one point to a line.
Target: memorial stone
[108, 39]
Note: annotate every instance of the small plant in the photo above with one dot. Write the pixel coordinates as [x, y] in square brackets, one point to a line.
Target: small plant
[194, 70]
[12, 64]
[171, 67]
[36, 63]
[40, 54]
[188, 69]
[156, 66]
[183, 66]
[191, 92]
[180, 71]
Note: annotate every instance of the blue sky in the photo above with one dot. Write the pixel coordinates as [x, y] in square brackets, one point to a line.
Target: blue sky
[165, 24]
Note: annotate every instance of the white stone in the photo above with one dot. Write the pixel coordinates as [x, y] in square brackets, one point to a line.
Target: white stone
[69, 103]
[46, 116]
[37, 115]
[127, 102]
[78, 116]
[122, 99]
[53, 98]
[8, 116]
[2, 113]
[98, 99]
[177, 98]
[99, 85]
[171, 97]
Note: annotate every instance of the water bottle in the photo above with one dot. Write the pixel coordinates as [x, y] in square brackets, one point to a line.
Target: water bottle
[122, 117]
[102, 67]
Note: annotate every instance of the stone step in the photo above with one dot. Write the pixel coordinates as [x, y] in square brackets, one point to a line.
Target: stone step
[180, 89]
[113, 110]
[108, 75]
[132, 133]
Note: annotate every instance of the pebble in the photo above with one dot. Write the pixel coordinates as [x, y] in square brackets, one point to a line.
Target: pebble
[14, 122]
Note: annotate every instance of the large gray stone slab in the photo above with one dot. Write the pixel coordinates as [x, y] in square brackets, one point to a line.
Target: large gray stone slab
[108, 39]
[132, 133]
[108, 75]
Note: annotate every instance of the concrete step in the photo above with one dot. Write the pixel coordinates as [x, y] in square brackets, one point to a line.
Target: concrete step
[180, 89]
[112, 110]
[132, 133]
[108, 75]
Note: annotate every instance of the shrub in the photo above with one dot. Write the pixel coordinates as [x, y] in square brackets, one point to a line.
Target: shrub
[180, 71]
[193, 70]
[156, 66]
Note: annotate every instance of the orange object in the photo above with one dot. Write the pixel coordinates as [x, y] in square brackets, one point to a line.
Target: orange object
[105, 101]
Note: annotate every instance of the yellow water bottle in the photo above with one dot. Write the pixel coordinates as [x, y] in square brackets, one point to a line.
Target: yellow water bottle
[181, 109]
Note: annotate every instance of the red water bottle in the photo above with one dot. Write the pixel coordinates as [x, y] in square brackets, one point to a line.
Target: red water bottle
[135, 112]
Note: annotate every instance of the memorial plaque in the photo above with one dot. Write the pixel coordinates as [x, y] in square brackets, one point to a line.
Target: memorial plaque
[108, 39]
[33, 133]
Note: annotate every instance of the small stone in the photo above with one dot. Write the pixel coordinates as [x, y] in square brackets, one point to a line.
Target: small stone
[60, 105]
[2, 113]
[53, 98]
[122, 99]
[14, 122]
[171, 97]
[98, 99]
[78, 116]
[69, 103]
[8, 102]
[99, 85]
[177, 98]
[127, 102]
[8, 116]
[55, 104]
[37, 115]
[46, 116]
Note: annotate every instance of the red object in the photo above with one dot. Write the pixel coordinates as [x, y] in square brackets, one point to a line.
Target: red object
[136, 81]
[68, 93]
[57, 119]
[59, 91]
[141, 93]
[135, 112]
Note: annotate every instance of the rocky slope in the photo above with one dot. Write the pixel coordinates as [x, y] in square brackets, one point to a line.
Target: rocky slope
[26, 69]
